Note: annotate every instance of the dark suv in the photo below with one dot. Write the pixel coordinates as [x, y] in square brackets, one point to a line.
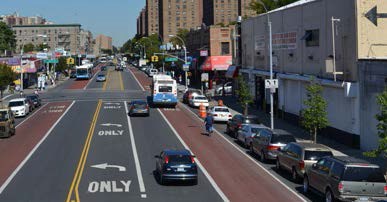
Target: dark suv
[176, 165]
[234, 124]
[190, 93]
[346, 178]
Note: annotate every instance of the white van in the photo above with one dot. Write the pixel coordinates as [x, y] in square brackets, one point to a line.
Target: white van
[153, 72]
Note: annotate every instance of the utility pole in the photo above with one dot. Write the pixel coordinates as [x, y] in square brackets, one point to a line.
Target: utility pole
[334, 46]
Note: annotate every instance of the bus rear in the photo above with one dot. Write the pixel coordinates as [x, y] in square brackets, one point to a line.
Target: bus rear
[164, 91]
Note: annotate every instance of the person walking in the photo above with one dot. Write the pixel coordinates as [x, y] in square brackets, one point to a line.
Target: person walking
[209, 121]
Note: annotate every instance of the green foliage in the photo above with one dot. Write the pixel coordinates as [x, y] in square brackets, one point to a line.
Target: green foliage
[381, 126]
[314, 116]
[221, 24]
[41, 47]
[6, 77]
[182, 33]
[244, 96]
[29, 47]
[62, 65]
[7, 38]
[107, 51]
[270, 5]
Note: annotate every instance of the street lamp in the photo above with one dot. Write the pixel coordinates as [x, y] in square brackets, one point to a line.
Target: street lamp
[21, 57]
[271, 66]
[185, 58]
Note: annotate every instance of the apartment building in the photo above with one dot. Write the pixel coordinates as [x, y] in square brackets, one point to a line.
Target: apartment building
[63, 36]
[102, 42]
[15, 19]
[179, 14]
[303, 48]
[152, 15]
[86, 43]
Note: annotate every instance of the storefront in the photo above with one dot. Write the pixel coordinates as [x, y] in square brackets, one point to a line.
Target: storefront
[217, 67]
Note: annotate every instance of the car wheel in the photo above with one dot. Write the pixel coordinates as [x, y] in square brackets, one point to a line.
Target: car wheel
[294, 175]
[262, 157]
[227, 130]
[305, 185]
[245, 144]
[329, 196]
[277, 165]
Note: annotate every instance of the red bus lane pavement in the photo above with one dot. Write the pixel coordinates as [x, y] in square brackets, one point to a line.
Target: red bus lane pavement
[17, 149]
[239, 177]
[81, 84]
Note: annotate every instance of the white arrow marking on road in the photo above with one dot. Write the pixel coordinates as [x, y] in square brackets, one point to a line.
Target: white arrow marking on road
[111, 124]
[112, 103]
[105, 165]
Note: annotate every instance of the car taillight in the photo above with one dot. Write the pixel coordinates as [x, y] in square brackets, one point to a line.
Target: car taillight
[302, 165]
[239, 125]
[385, 190]
[147, 107]
[215, 115]
[154, 91]
[166, 160]
[340, 187]
[272, 148]
[192, 159]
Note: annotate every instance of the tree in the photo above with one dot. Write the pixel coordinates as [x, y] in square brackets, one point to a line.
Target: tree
[7, 38]
[314, 116]
[7, 75]
[62, 65]
[182, 33]
[270, 5]
[42, 46]
[28, 47]
[381, 126]
[244, 96]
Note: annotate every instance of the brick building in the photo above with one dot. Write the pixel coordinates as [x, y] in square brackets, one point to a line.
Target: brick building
[152, 15]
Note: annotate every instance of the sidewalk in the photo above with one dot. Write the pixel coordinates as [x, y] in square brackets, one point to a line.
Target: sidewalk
[338, 148]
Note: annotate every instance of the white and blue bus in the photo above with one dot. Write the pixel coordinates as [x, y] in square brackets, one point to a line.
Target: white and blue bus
[84, 71]
[164, 90]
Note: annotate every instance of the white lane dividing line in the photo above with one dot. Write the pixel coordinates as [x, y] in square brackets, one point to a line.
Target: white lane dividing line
[210, 179]
[31, 115]
[249, 157]
[138, 82]
[134, 150]
[91, 80]
[5, 97]
[20, 166]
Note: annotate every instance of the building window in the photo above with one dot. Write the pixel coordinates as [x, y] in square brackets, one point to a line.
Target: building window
[225, 47]
[311, 37]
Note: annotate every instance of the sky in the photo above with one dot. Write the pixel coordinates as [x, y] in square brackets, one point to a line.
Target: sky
[114, 18]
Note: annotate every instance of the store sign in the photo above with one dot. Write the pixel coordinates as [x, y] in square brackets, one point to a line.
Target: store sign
[259, 43]
[285, 41]
[204, 53]
[204, 77]
[42, 55]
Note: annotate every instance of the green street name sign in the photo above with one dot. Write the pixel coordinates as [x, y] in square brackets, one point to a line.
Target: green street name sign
[171, 59]
[52, 61]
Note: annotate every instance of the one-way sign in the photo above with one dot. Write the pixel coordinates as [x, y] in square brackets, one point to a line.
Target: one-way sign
[271, 83]
[373, 15]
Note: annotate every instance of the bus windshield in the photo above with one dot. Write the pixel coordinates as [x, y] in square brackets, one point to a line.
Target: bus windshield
[81, 71]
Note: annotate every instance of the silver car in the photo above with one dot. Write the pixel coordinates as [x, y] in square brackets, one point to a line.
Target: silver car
[101, 78]
[247, 132]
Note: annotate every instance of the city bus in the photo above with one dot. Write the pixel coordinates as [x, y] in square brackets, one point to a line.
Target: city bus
[84, 71]
[164, 90]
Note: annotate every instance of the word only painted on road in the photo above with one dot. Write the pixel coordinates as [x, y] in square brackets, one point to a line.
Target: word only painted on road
[109, 186]
[110, 132]
[112, 107]
[55, 109]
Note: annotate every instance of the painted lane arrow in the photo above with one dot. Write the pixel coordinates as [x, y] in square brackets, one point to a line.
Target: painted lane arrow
[112, 103]
[111, 124]
[105, 165]
[373, 15]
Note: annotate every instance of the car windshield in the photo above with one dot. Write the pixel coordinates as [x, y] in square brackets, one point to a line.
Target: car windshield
[315, 155]
[221, 110]
[15, 103]
[3, 116]
[34, 98]
[180, 159]
[255, 130]
[139, 104]
[284, 139]
[101, 75]
[251, 120]
[200, 98]
[165, 89]
[363, 174]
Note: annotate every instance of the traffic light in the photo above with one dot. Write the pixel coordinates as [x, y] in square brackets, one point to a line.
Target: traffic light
[155, 58]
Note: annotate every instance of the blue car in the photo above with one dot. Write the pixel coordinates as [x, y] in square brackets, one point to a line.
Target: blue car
[172, 165]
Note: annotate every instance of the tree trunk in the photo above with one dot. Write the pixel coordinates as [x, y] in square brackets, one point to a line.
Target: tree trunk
[315, 135]
[246, 110]
[1, 94]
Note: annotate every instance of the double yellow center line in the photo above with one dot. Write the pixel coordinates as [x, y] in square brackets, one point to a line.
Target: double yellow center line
[73, 192]
[107, 79]
[121, 82]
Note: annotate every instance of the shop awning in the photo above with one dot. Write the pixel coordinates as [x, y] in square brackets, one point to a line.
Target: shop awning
[232, 71]
[218, 63]
[29, 67]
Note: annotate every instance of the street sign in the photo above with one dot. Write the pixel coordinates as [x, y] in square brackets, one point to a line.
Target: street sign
[204, 77]
[125, 59]
[52, 61]
[204, 53]
[70, 61]
[373, 15]
[271, 83]
[170, 59]
[185, 67]
[41, 55]
[155, 58]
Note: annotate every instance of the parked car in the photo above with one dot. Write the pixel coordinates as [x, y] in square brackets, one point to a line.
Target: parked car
[20, 107]
[297, 157]
[198, 100]
[101, 78]
[346, 178]
[103, 68]
[267, 142]
[138, 107]
[189, 93]
[37, 102]
[152, 72]
[73, 74]
[30, 103]
[227, 88]
[7, 123]
[236, 122]
[220, 113]
[247, 132]
[176, 165]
